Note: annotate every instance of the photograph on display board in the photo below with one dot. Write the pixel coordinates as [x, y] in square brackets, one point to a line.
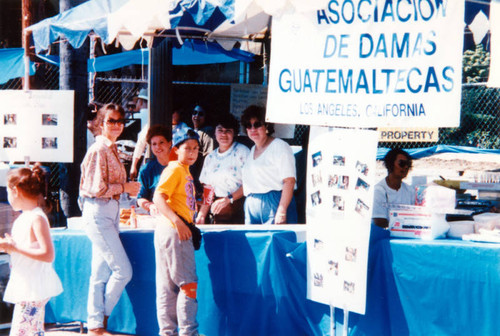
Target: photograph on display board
[333, 267]
[9, 142]
[316, 198]
[317, 158]
[318, 279]
[362, 168]
[318, 244]
[49, 143]
[350, 253]
[339, 160]
[343, 182]
[10, 119]
[316, 179]
[49, 119]
[362, 185]
[362, 208]
[349, 286]
[333, 181]
[338, 203]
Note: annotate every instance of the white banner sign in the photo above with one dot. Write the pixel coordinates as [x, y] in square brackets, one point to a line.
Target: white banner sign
[361, 63]
[36, 124]
[340, 182]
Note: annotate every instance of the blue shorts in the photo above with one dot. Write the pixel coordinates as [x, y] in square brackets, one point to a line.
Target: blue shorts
[261, 208]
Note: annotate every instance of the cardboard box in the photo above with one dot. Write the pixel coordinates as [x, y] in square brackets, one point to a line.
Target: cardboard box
[417, 222]
[435, 196]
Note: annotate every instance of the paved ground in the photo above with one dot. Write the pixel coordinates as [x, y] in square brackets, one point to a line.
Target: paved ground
[68, 329]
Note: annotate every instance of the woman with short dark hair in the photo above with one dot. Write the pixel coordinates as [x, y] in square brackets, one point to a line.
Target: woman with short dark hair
[158, 139]
[222, 173]
[392, 189]
[269, 174]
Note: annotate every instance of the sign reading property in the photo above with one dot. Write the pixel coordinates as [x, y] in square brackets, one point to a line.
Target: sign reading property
[408, 134]
[37, 124]
[361, 63]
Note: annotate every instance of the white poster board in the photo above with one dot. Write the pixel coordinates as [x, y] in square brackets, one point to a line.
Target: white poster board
[244, 95]
[340, 182]
[359, 63]
[37, 124]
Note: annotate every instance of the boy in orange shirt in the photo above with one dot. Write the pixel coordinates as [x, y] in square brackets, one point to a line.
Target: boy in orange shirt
[176, 280]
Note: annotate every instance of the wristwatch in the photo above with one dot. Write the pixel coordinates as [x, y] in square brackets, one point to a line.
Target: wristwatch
[231, 199]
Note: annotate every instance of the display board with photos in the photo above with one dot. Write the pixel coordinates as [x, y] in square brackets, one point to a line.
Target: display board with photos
[36, 125]
[340, 181]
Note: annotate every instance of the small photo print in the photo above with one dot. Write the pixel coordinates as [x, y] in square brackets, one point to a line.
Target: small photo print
[344, 182]
[318, 244]
[333, 267]
[316, 179]
[338, 203]
[338, 160]
[318, 279]
[361, 208]
[349, 287]
[362, 185]
[49, 143]
[350, 253]
[362, 168]
[316, 198]
[9, 142]
[317, 157]
[333, 181]
[10, 119]
[49, 119]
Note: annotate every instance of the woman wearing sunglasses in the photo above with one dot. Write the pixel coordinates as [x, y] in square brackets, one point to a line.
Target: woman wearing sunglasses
[392, 189]
[269, 173]
[102, 181]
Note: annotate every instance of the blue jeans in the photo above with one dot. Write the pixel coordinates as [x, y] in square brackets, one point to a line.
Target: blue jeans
[111, 268]
[261, 208]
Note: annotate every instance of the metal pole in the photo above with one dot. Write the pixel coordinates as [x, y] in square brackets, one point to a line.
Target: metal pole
[26, 22]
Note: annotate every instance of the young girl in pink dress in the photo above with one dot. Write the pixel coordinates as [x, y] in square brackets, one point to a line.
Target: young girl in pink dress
[32, 281]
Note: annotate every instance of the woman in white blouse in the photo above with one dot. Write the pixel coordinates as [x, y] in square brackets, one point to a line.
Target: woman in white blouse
[222, 172]
[269, 174]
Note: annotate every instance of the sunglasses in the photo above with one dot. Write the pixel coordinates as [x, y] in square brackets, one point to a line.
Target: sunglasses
[255, 125]
[115, 121]
[198, 113]
[404, 163]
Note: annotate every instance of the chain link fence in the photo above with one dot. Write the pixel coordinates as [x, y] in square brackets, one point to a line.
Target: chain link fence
[479, 126]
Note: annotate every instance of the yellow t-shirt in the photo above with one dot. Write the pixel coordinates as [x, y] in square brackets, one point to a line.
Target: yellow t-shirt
[177, 184]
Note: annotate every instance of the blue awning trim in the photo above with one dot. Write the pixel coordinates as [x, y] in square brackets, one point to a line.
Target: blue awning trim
[12, 64]
[418, 153]
[192, 52]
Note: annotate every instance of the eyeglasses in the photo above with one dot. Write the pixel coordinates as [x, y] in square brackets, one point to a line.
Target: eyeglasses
[115, 121]
[255, 125]
[404, 163]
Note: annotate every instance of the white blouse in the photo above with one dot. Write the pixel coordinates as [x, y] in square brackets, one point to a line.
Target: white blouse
[267, 172]
[223, 170]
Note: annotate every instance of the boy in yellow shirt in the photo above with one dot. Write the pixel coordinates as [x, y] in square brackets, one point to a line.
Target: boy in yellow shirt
[176, 280]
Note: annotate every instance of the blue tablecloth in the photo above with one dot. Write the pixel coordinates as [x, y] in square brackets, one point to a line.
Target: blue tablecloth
[254, 283]
[247, 284]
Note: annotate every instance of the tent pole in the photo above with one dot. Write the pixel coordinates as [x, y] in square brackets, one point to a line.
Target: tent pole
[26, 22]
[91, 75]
